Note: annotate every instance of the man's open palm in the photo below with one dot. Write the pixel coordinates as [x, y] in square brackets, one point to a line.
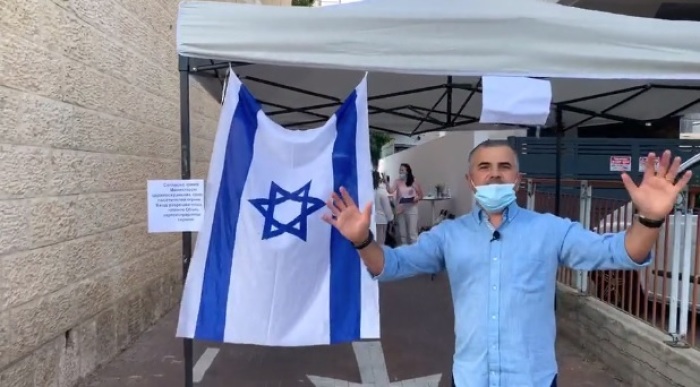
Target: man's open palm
[656, 194]
[347, 218]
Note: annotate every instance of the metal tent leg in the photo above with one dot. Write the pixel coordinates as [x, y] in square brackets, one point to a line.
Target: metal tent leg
[184, 68]
[557, 184]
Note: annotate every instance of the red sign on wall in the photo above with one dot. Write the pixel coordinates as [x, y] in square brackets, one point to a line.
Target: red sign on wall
[620, 163]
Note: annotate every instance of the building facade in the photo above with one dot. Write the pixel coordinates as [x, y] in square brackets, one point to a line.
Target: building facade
[89, 111]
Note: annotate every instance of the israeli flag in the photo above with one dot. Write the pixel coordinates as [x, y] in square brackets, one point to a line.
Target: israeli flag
[266, 269]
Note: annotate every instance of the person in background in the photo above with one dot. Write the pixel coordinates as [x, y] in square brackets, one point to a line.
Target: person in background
[382, 208]
[408, 193]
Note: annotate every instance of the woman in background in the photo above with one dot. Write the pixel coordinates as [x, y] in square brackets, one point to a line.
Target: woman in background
[382, 208]
[407, 193]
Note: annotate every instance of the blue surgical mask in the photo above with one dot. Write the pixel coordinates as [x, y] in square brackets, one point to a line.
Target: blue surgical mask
[493, 198]
[402, 176]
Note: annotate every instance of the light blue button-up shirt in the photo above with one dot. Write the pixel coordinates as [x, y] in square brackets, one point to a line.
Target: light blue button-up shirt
[503, 290]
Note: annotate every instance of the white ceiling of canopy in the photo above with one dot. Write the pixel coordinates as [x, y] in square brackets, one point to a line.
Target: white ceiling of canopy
[286, 91]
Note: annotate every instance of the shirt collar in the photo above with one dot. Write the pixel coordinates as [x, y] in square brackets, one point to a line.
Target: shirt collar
[508, 213]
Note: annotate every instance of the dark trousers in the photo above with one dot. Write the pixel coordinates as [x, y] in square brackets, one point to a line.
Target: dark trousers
[554, 382]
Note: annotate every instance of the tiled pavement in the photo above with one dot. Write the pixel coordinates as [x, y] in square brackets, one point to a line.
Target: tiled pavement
[417, 341]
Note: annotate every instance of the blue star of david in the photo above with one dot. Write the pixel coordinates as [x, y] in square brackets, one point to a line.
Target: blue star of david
[278, 195]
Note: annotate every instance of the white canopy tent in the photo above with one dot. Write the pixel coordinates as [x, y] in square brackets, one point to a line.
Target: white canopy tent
[425, 58]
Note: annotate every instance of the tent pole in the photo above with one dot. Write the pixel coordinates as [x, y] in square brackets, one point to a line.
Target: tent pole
[449, 101]
[557, 185]
[184, 68]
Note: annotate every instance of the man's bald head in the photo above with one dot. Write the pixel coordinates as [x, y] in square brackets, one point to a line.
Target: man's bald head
[493, 161]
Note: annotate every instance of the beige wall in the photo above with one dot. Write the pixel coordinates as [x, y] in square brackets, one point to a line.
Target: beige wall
[443, 160]
[89, 111]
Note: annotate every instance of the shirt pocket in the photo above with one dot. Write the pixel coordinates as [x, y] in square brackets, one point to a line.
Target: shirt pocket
[533, 269]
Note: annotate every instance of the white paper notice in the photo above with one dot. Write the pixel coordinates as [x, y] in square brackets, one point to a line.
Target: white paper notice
[515, 100]
[175, 205]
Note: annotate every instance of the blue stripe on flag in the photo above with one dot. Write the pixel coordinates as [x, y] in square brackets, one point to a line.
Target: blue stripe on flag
[211, 320]
[345, 294]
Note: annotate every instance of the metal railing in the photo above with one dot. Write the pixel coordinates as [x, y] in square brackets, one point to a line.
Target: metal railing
[666, 294]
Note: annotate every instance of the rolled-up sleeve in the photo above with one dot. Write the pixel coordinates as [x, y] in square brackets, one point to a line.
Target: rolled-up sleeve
[584, 249]
[423, 257]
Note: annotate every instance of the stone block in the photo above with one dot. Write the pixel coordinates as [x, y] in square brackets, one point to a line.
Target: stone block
[630, 347]
[14, 233]
[106, 335]
[47, 363]
[5, 337]
[69, 364]
[86, 334]
[19, 374]
[24, 171]
[52, 220]
[22, 70]
[122, 324]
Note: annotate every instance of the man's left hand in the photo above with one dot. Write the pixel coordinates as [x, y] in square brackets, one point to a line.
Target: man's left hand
[655, 197]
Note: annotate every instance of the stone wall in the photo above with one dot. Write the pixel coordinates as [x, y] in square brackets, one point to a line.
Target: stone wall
[632, 349]
[89, 111]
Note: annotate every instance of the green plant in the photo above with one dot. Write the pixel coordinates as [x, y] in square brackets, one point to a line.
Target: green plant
[376, 141]
[303, 3]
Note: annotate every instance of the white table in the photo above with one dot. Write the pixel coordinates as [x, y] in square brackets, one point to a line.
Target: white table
[432, 200]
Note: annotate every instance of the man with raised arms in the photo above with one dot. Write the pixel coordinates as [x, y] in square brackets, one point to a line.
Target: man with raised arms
[502, 261]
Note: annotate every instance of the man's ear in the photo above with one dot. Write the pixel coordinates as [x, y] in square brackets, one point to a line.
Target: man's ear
[470, 183]
[518, 179]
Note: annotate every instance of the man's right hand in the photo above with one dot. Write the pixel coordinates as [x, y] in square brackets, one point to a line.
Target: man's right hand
[347, 218]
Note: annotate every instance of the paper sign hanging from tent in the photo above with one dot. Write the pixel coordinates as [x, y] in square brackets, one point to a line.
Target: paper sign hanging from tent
[515, 100]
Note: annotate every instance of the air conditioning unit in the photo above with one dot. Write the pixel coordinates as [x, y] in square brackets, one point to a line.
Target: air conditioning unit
[690, 127]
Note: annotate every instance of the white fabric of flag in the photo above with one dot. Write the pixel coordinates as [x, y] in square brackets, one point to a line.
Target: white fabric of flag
[266, 269]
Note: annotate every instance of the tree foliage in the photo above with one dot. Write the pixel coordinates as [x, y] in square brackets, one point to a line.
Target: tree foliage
[376, 141]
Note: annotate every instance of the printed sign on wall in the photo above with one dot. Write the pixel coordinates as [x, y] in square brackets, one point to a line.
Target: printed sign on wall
[643, 164]
[620, 163]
